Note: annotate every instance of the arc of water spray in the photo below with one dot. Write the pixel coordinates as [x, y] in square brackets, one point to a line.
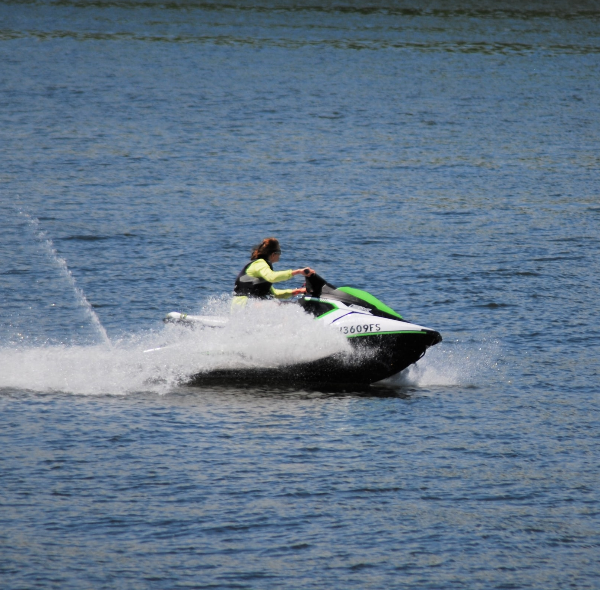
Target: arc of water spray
[66, 272]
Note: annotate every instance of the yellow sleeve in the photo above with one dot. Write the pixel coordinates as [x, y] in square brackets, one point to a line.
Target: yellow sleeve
[281, 293]
[260, 269]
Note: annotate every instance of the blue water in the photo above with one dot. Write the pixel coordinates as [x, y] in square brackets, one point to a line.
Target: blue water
[442, 156]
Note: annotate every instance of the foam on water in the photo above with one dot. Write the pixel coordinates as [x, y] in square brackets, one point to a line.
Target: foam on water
[270, 335]
[451, 364]
[267, 335]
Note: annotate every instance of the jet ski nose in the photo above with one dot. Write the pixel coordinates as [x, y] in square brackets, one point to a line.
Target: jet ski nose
[434, 337]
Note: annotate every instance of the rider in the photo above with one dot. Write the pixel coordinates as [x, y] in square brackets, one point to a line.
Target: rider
[256, 279]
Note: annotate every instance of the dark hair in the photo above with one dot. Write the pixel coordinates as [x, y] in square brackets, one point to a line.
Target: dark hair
[263, 250]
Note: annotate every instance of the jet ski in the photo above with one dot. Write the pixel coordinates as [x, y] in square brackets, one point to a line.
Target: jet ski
[382, 342]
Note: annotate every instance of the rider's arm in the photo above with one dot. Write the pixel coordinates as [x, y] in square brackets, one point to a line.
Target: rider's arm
[282, 293]
[260, 269]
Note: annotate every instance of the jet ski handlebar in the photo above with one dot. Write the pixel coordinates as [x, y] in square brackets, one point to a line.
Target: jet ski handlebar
[315, 284]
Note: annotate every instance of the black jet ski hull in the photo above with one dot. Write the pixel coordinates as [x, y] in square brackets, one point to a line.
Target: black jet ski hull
[373, 359]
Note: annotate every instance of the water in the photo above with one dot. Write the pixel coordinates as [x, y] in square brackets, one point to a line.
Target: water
[444, 158]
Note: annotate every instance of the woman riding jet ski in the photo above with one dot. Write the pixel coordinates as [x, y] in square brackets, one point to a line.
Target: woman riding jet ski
[382, 342]
[256, 279]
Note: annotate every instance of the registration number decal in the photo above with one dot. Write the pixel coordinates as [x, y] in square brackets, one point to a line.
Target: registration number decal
[360, 329]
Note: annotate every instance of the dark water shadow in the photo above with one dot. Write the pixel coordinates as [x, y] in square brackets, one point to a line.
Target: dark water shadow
[303, 393]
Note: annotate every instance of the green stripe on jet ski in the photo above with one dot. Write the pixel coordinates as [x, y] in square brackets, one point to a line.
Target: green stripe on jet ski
[334, 306]
[382, 333]
[367, 297]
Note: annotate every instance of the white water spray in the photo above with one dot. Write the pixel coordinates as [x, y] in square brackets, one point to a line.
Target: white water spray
[452, 364]
[268, 336]
[158, 361]
[61, 263]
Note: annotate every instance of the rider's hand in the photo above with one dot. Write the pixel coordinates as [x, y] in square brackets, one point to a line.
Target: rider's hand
[307, 272]
[299, 291]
